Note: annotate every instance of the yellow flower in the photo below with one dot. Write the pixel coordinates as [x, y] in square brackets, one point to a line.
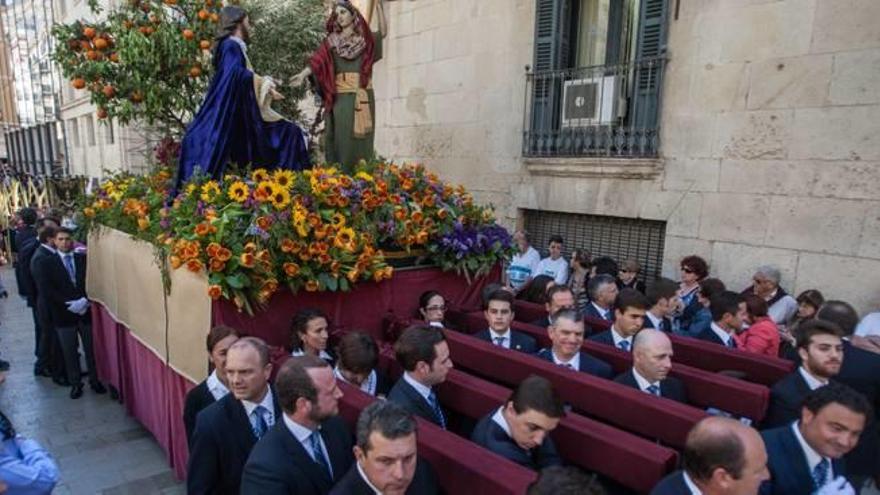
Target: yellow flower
[338, 220]
[280, 198]
[264, 191]
[260, 175]
[210, 191]
[190, 189]
[283, 178]
[346, 239]
[364, 176]
[238, 192]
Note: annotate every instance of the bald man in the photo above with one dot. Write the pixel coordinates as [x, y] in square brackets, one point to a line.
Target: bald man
[652, 360]
[721, 457]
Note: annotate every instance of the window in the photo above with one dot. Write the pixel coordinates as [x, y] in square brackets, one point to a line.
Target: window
[617, 237]
[108, 132]
[594, 88]
[89, 124]
[73, 125]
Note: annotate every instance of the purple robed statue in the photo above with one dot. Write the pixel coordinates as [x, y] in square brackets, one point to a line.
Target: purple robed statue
[236, 123]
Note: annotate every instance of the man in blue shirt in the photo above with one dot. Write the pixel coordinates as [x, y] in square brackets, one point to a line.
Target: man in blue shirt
[26, 468]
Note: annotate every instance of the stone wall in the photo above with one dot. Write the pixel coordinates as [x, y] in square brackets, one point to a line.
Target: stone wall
[770, 118]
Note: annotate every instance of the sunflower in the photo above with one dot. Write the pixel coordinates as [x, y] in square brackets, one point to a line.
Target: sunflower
[345, 239]
[338, 220]
[264, 191]
[238, 191]
[280, 198]
[210, 190]
[260, 175]
[283, 178]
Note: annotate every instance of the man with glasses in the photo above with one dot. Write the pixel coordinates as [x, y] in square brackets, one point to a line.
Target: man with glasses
[765, 284]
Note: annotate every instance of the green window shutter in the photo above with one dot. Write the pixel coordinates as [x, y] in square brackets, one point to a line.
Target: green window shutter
[651, 44]
[551, 54]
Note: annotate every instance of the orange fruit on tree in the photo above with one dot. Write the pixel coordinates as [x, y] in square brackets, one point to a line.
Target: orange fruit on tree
[137, 96]
[188, 34]
[109, 91]
[101, 44]
[215, 18]
[92, 55]
[85, 45]
[203, 15]
[78, 83]
[102, 113]
[114, 57]
[204, 44]
[89, 32]
[195, 71]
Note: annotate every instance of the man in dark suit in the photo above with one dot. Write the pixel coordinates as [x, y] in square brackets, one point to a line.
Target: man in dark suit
[629, 315]
[558, 297]
[519, 430]
[50, 361]
[567, 335]
[499, 313]
[386, 456]
[728, 313]
[861, 371]
[602, 290]
[721, 456]
[310, 445]
[807, 456]
[652, 360]
[215, 387]
[24, 243]
[660, 295]
[227, 430]
[357, 361]
[820, 348]
[424, 355]
[61, 282]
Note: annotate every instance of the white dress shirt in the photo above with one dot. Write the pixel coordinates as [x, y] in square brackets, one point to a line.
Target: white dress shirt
[811, 380]
[643, 382]
[436, 324]
[870, 325]
[620, 338]
[498, 419]
[215, 386]
[368, 385]
[367, 480]
[655, 320]
[721, 333]
[606, 313]
[506, 336]
[323, 354]
[423, 390]
[575, 361]
[268, 404]
[303, 436]
[813, 457]
[690, 484]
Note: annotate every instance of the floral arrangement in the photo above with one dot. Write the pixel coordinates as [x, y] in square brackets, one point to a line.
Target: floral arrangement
[316, 230]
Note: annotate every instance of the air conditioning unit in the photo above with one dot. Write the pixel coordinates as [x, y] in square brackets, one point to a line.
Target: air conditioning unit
[590, 101]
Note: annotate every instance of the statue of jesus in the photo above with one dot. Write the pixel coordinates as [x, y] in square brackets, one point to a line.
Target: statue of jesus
[236, 122]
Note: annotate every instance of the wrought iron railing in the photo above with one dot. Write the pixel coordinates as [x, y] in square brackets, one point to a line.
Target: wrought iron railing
[607, 110]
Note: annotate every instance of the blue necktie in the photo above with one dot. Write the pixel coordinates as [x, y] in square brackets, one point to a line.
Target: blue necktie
[653, 389]
[731, 343]
[499, 341]
[624, 345]
[438, 413]
[259, 424]
[318, 453]
[68, 264]
[820, 473]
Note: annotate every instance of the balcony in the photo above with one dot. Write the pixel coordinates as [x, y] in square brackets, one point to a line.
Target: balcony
[609, 111]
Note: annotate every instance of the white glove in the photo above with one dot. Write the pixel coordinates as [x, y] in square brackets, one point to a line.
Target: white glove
[839, 486]
[78, 306]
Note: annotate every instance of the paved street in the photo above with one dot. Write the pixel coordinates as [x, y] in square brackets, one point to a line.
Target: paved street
[98, 447]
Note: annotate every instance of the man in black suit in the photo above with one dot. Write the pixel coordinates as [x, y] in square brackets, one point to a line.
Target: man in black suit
[728, 313]
[227, 430]
[629, 316]
[24, 243]
[310, 446]
[721, 456]
[357, 360]
[602, 290]
[50, 361]
[861, 371]
[519, 430]
[820, 348]
[652, 360]
[424, 355]
[386, 458]
[567, 335]
[558, 297]
[216, 386]
[499, 313]
[661, 296]
[807, 456]
[61, 281]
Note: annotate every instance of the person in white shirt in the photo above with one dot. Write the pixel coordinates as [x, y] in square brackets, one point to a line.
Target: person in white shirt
[870, 325]
[765, 283]
[721, 457]
[215, 387]
[523, 264]
[652, 362]
[554, 265]
[310, 334]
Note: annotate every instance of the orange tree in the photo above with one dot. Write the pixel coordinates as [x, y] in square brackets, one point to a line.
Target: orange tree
[150, 60]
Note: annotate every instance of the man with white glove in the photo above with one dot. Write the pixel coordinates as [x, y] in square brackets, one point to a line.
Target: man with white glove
[837, 487]
[62, 279]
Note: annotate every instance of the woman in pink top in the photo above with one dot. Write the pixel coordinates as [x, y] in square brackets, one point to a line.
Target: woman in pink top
[762, 336]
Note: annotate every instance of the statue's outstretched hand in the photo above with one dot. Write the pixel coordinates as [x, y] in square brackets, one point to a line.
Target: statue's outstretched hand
[298, 80]
[275, 95]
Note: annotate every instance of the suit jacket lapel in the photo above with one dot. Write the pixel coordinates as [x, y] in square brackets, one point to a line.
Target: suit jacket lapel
[304, 461]
[415, 396]
[803, 479]
[242, 425]
[335, 451]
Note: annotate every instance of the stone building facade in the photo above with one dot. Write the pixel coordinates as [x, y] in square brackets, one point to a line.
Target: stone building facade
[768, 131]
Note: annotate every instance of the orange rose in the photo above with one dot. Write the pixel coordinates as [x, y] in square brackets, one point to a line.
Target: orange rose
[250, 247]
[352, 275]
[399, 214]
[212, 249]
[422, 237]
[287, 245]
[247, 260]
[334, 267]
[324, 259]
[264, 223]
[202, 229]
[263, 256]
[312, 286]
[305, 256]
[214, 291]
[442, 213]
[216, 265]
[314, 220]
[176, 262]
[194, 266]
[291, 269]
[270, 285]
[417, 216]
[224, 254]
